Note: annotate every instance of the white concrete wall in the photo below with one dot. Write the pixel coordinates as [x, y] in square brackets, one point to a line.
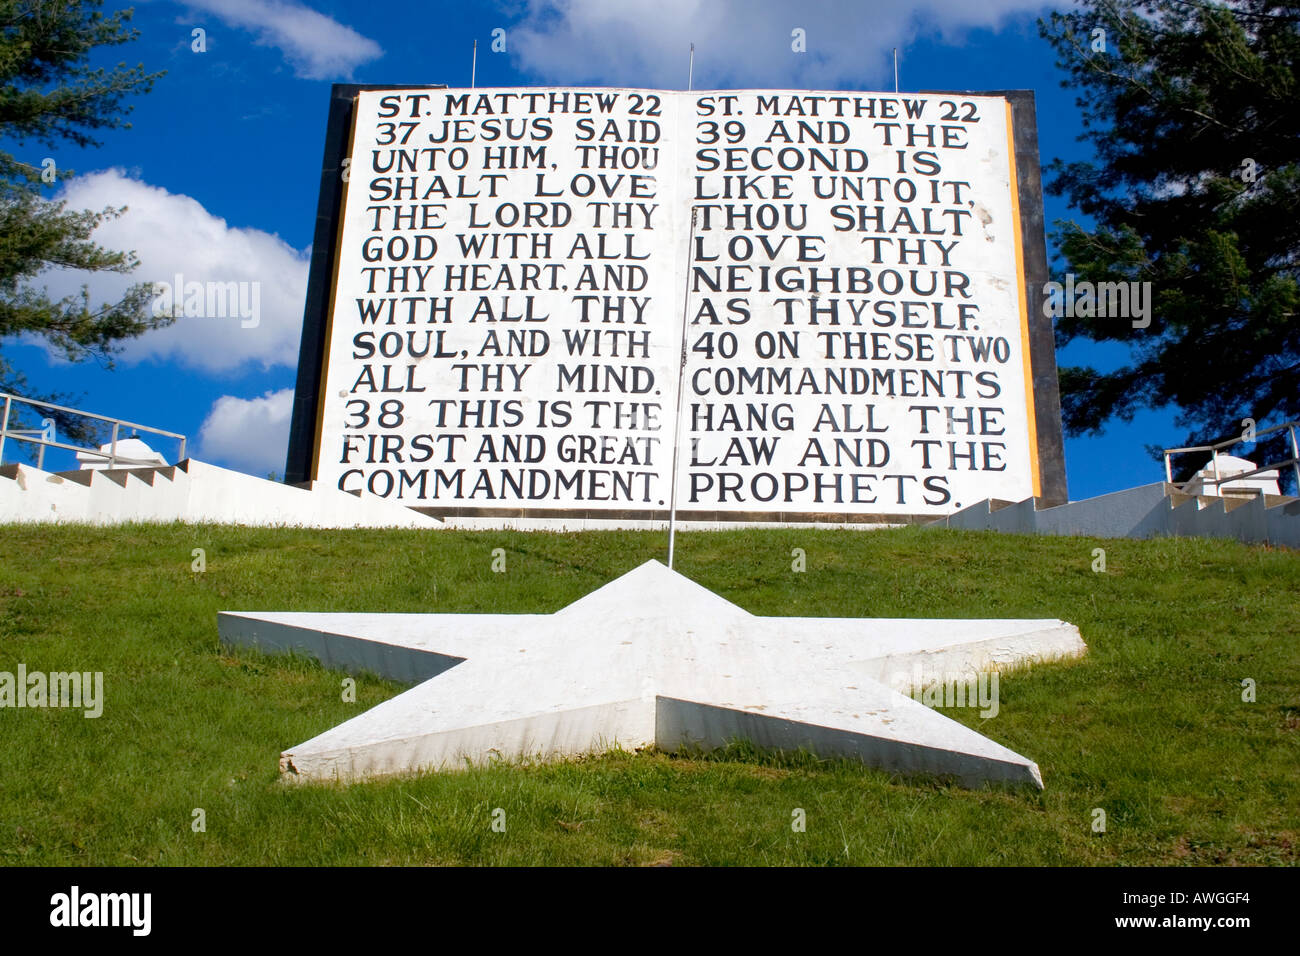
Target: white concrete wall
[191, 491]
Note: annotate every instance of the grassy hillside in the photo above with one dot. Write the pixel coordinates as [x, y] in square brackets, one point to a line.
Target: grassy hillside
[1150, 726]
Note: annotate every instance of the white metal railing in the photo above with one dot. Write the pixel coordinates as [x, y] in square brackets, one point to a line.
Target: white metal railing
[1293, 461]
[111, 456]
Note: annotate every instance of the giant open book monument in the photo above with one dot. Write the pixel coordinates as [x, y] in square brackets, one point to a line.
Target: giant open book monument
[819, 305]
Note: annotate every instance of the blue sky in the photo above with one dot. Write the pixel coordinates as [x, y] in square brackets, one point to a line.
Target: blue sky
[220, 169]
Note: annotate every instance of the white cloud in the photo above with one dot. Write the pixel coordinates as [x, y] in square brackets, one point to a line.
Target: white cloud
[174, 234]
[248, 434]
[319, 47]
[737, 42]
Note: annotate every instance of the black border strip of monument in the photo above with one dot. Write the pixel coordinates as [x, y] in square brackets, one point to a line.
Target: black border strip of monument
[300, 460]
[1042, 335]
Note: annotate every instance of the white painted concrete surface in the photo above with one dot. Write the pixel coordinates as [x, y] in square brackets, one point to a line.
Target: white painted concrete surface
[190, 491]
[134, 449]
[1202, 482]
[652, 659]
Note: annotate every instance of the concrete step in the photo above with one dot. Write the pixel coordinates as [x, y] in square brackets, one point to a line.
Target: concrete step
[81, 476]
[997, 504]
[1232, 503]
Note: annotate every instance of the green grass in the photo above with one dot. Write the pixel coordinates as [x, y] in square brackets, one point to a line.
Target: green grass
[1149, 727]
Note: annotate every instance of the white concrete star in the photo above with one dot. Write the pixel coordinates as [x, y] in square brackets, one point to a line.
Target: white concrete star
[652, 658]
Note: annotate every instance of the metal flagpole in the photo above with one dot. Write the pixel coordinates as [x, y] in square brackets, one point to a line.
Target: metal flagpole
[681, 389]
[473, 66]
[681, 371]
[895, 69]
